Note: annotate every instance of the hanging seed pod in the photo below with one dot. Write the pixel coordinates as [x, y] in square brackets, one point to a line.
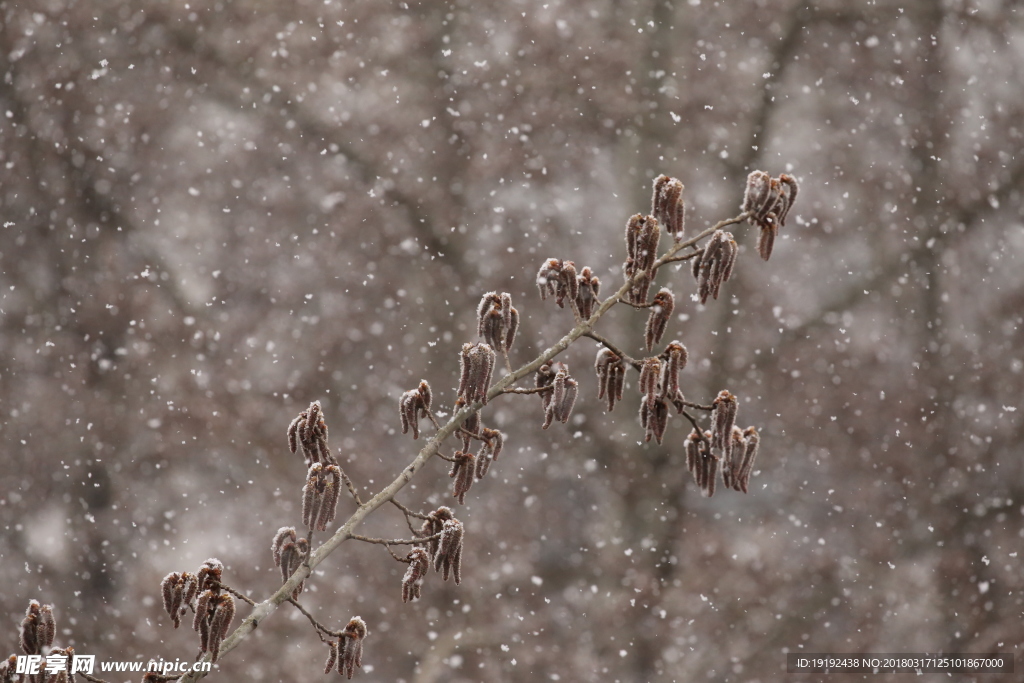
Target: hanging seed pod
[650, 379]
[716, 264]
[564, 392]
[661, 313]
[477, 363]
[413, 405]
[350, 651]
[463, 470]
[611, 374]
[673, 359]
[412, 582]
[667, 205]
[642, 236]
[308, 433]
[654, 419]
[723, 417]
[448, 559]
[332, 656]
[753, 441]
[588, 287]
[497, 321]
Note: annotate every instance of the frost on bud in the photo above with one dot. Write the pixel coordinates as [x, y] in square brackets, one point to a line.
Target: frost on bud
[716, 264]
[209, 575]
[642, 236]
[768, 200]
[412, 582]
[38, 629]
[661, 313]
[667, 205]
[723, 417]
[497, 320]
[214, 612]
[477, 363]
[752, 441]
[178, 590]
[289, 553]
[558, 278]
[611, 376]
[413, 405]
[463, 471]
[673, 360]
[701, 462]
[654, 419]
[587, 292]
[350, 649]
[448, 559]
[650, 379]
[308, 433]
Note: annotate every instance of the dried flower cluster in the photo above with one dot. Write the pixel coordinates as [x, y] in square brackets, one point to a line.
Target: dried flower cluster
[38, 629]
[348, 650]
[477, 367]
[497, 320]
[412, 582]
[494, 441]
[214, 611]
[611, 376]
[701, 462]
[464, 472]
[289, 554]
[413, 405]
[738, 449]
[768, 200]
[642, 236]
[561, 397]
[179, 590]
[715, 264]
[320, 496]
[736, 470]
[667, 205]
[308, 431]
[214, 608]
[558, 278]
[446, 550]
[661, 312]
[659, 385]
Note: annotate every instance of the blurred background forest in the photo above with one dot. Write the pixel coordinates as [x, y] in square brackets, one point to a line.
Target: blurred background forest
[214, 213]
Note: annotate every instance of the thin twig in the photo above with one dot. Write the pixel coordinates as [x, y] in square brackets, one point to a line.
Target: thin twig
[614, 349]
[685, 257]
[350, 486]
[236, 593]
[697, 406]
[535, 390]
[408, 512]
[320, 628]
[397, 541]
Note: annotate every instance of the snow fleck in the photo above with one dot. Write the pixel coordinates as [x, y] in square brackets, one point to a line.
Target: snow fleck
[536, 580]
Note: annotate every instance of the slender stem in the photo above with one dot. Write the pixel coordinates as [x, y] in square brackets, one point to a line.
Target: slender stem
[397, 541]
[320, 628]
[408, 512]
[534, 390]
[614, 349]
[264, 609]
[237, 594]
